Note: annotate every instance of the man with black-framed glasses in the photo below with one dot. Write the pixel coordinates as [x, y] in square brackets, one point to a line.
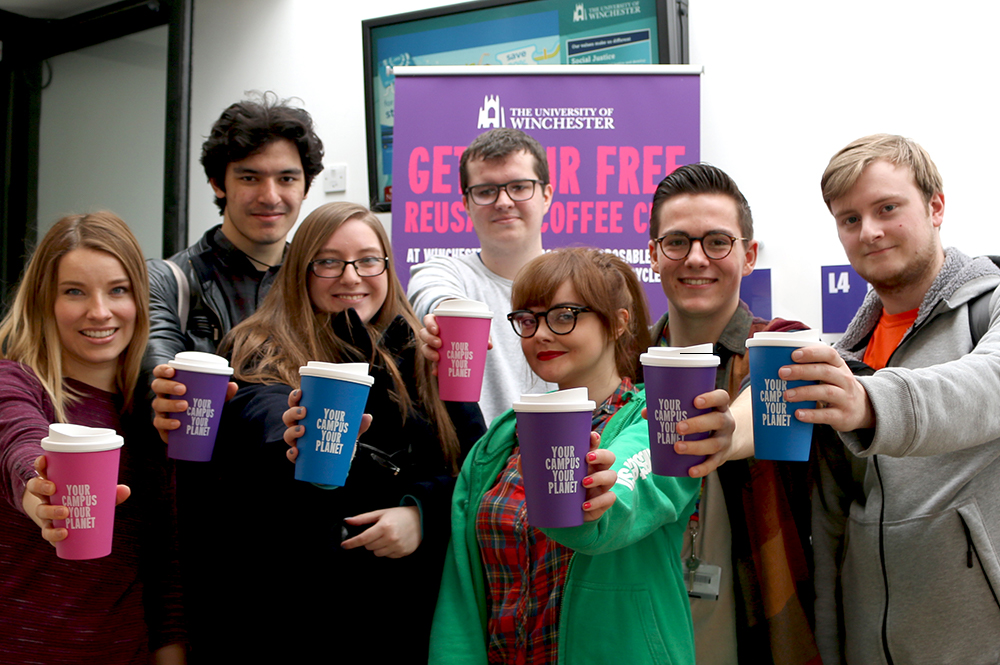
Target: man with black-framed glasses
[702, 245]
[504, 177]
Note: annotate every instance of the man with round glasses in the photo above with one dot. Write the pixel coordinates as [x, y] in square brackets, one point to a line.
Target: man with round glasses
[746, 527]
[504, 177]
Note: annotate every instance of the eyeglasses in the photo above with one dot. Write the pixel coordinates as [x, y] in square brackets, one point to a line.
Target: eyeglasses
[716, 245]
[561, 320]
[366, 266]
[517, 190]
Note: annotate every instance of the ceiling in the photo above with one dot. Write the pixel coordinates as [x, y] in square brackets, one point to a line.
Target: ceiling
[52, 9]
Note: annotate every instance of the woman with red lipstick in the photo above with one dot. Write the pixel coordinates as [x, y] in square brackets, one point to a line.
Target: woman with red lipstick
[368, 553]
[71, 346]
[515, 593]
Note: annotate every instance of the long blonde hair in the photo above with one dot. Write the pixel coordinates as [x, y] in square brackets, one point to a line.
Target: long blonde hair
[287, 331]
[29, 334]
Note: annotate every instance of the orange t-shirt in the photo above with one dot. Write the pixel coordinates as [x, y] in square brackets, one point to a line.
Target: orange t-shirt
[888, 333]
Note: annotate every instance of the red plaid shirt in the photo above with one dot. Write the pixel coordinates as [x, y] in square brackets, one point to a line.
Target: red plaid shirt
[525, 571]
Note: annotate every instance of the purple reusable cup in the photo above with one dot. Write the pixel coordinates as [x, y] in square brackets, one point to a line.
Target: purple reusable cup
[83, 464]
[206, 377]
[553, 431]
[777, 433]
[674, 377]
[465, 334]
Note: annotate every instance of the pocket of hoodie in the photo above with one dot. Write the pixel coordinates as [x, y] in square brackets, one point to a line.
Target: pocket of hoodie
[941, 607]
[604, 616]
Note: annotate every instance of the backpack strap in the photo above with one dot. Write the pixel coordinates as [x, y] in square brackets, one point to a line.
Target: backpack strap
[184, 294]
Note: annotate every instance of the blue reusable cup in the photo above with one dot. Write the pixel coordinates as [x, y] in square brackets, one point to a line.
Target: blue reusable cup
[334, 396]
[777, 433]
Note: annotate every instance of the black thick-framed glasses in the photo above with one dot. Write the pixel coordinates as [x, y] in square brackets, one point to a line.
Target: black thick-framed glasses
[517, 190]
[560, 319]
[366, 266]
[677, 245]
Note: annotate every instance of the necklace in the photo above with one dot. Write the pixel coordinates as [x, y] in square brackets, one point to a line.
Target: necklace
[252, 259]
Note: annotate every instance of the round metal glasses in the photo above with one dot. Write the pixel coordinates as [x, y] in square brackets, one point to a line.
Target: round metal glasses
[716, 245]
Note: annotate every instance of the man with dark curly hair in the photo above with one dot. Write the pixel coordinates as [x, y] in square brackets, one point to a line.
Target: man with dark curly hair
[260, 158]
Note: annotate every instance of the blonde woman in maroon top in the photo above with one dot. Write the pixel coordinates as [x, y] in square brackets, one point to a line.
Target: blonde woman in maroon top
[71, 347]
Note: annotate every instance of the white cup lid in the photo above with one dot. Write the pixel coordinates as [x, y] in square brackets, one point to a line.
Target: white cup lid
[573, 399]
[699, 355]
[795, 338]
[198, 361]
[66, 438]
[355, 372]
[462, 307]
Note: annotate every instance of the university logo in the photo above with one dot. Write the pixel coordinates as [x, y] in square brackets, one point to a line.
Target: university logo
[491, 115]
[578, 13]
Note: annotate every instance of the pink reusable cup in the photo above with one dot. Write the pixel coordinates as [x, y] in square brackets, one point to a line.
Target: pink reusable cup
[83, 464]
[465, 334]
[206, 377]
[674, 377]
[553, 431]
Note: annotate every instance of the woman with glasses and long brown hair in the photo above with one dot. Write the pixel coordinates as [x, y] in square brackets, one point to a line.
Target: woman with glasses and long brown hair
[302, 571]
[611, 589]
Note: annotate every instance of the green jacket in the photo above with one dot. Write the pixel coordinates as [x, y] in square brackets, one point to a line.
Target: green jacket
[625, 596]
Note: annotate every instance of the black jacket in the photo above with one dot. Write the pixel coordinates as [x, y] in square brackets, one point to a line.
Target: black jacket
[212, 309]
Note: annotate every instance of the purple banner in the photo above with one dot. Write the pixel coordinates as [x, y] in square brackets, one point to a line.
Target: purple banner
[843, 292]
[610, 139]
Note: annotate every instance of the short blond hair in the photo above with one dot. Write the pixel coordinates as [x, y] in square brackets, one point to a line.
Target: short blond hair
[850, 162]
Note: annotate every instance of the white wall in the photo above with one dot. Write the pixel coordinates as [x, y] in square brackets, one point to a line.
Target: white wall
[786, 85]
[101, 135]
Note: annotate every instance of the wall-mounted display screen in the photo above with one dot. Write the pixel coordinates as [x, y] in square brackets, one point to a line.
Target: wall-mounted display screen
[527, 32]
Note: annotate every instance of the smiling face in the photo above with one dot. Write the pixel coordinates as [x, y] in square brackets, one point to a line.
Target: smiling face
[890, 234]
[95, 315]
[505, 226]
[699, 288]
[582, 358]
[263, 193]
[351, 241]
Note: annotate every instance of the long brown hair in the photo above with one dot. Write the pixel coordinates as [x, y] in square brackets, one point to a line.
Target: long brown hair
[29, 335]
[287, 331]
[605, 283]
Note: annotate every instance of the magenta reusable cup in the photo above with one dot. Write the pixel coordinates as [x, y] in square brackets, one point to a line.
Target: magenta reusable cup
[334, 395]
[777, 433]
[83, 464]
[553, 431]
[206, 377]
[674, 377]
[465, 333]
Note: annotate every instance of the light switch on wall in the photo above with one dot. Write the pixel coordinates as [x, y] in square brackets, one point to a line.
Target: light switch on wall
[335, 179]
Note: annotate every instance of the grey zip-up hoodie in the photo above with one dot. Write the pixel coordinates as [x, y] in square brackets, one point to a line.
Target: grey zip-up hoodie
[906, 530]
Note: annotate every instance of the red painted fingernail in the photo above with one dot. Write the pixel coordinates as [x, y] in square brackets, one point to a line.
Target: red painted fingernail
[591, 457]
[586, 505]
[587, 482]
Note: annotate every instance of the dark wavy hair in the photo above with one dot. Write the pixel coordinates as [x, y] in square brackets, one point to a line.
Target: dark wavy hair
[247, 126]
[700, 178]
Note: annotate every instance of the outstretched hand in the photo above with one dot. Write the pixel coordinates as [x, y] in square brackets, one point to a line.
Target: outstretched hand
[842, 401]
[294, 430]
[719, 447]
[36, 503]
[164, 407]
